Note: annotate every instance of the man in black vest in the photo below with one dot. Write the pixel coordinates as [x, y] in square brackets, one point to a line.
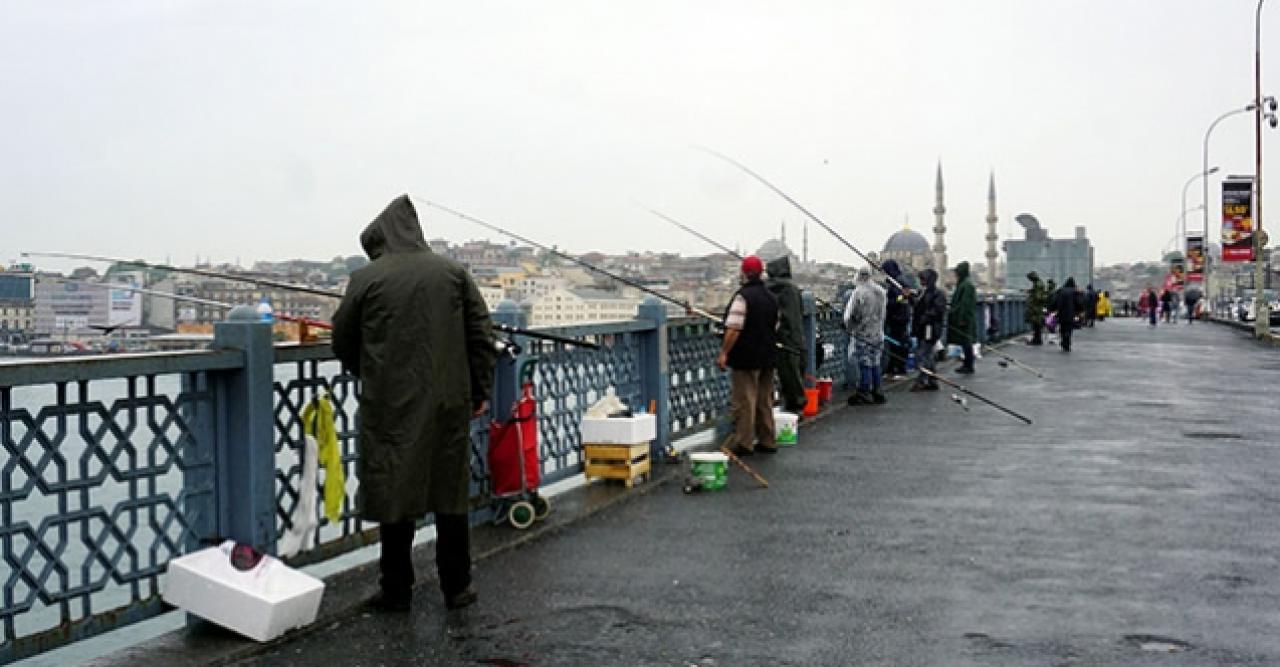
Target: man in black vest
[750, 348]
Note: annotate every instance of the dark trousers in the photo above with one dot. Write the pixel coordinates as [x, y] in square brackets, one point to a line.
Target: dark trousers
[791, 381]
[453, 556]
[1036, 332]
[967, 348]
[1066, 337]
[897, 350]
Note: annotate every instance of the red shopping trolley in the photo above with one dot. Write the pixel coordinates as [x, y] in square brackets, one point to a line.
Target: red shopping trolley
[514, 469]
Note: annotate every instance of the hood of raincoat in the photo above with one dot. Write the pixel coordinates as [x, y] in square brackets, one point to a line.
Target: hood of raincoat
[396, 229]
[962, 271]
[1033, 277]
[891, 268]
[929, 278]
[779, 268]
[1071, 282]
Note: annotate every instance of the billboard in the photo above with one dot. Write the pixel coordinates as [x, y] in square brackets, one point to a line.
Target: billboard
[1237, 219]
[1195, 257]
[124, 307]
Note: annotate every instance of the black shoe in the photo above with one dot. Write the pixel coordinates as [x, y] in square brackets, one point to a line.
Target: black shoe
[965, 370]
[766, 450]
[466, 598]
[392, 604]
[932, 386]
[740, 451]
[860, 398]
[878, 398]
[919, 386]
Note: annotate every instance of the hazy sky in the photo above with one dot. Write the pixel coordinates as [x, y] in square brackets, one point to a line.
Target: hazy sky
[270, 130]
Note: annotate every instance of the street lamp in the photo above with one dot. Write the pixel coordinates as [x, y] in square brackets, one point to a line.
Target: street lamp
[1263, 323]
[1181, 229]
[1204, 161]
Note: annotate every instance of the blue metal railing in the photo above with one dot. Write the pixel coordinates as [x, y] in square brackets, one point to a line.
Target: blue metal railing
[115, 465]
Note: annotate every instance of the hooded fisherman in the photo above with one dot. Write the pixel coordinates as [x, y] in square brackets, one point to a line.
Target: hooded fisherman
[415, 330]
[897, 322]
[791, 359]
[962, 320]
[1037, 301]
[928, 322]
[864, 318]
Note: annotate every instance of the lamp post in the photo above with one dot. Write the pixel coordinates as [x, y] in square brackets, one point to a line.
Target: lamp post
[1263, 322]
[1204, 161]
[1181, 230]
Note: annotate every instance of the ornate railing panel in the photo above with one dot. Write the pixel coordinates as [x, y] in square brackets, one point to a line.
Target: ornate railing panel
[568, 379]
[832, 335]
[107, 474]
[699, 390]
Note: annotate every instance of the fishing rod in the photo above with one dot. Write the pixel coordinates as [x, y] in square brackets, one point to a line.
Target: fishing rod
[954, 385]
[732, 253]
[207, 273]
[507, 328]
[879, 267]
[688, 307]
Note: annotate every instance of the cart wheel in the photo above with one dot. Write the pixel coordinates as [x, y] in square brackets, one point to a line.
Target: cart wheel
[521, 515]
[541, 507]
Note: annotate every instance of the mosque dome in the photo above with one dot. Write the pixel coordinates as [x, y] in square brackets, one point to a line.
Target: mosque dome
[907, 241]
[773, 249]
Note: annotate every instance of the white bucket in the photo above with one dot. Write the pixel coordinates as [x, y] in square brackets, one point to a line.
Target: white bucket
[786, 425]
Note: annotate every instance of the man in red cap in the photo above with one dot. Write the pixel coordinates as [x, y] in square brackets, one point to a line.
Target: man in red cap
[750, 348]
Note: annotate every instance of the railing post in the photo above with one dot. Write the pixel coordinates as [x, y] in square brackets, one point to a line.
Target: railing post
[245, 458]
[655, 372]
[506, 383]
[810, 334]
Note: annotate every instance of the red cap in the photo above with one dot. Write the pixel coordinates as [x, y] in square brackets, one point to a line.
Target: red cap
[752, 266]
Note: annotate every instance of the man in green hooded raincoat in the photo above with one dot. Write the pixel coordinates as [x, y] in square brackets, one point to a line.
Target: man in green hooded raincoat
[1037, 301]
[962, 318]
[415, 330]
[791, 361]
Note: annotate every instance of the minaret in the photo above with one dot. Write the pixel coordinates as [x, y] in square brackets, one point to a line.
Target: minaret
[784, 232]
[992, 237]
[805, 260]
[939, 228]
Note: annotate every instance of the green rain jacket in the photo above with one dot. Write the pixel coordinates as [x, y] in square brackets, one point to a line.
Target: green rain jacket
[415, 330]
[1037, 300]
[790, 303]
[962, 319]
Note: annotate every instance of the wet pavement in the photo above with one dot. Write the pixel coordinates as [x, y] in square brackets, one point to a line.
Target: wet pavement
[1137, 522]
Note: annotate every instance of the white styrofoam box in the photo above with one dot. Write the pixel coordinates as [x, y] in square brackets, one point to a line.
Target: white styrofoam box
[619, 430]
[262, 603]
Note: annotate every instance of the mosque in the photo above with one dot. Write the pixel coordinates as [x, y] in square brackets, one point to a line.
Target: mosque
[911, 249]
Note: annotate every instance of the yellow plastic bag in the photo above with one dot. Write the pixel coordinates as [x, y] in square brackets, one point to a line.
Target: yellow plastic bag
[317, 421]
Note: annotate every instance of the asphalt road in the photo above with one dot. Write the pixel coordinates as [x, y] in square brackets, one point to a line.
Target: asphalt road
[1137, 522]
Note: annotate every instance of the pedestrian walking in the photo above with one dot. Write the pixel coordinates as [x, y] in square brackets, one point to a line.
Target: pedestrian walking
[1166, 304]
[415, 330]
[750, 350]
[1067, 305]
[1037, 301]
[791, 359]
[962, 318]
[1152, 305]
[928, 321]
[897, 322]
[1192, 299]
[864, 317]
[1104, 306]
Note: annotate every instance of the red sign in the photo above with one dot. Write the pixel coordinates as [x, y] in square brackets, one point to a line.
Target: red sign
[1237, 219]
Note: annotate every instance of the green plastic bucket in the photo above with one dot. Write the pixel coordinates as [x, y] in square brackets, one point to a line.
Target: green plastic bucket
[786, 425]
[711, 468]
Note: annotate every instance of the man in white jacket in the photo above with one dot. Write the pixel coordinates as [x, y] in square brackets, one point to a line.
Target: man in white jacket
[864, 318]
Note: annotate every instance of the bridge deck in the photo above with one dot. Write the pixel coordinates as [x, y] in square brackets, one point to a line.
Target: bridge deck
[1139, 511]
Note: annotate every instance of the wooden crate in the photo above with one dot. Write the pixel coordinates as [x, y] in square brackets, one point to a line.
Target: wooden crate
[621, 462]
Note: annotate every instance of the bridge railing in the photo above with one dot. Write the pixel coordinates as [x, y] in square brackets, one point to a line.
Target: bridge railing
[114, 465]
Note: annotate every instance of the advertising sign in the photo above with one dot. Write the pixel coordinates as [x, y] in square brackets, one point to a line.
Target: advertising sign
[124, 307]
[1195, 257]
[1177, 274]
[1237, 219]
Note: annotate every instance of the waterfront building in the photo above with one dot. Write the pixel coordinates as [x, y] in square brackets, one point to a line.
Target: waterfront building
[1056, 259]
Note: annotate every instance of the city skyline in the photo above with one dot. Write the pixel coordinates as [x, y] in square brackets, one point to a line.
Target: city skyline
[145, 129]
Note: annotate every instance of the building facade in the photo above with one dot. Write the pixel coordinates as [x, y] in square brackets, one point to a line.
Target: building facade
[1056, 259]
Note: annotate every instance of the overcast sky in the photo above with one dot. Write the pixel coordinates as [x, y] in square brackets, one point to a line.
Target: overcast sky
[272, 130]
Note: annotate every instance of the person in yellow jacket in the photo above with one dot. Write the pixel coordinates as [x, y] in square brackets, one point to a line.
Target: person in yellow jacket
[1104, 306]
